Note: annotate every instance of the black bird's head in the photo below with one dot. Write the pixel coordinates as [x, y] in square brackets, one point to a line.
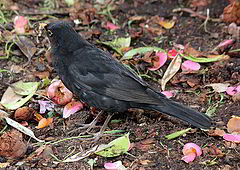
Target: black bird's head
[61, 34]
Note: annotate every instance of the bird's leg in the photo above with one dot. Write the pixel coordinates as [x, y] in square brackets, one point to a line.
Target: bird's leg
[89, 126]
[104, 126]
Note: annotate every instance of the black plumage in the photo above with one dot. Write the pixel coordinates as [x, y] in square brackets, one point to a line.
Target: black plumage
[101, 81]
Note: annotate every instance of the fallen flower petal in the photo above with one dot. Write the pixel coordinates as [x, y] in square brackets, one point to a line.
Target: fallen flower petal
[232, 138]
[190, 151]
[233, 90]
[111, 26]
[114, 166]
[160, 60]
[71, 108]
[189, 158]
[238, 89]
[225, 43]
[187, 146]
[190, 66]
[58, 93]
[20, 24]
[44, 122]
[172, 53]
[168, 94]
[45, 105]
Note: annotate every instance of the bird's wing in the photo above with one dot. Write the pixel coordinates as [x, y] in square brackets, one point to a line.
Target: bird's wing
[95, 70]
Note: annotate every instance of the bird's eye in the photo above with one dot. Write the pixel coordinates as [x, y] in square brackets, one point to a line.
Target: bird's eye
[50, 33]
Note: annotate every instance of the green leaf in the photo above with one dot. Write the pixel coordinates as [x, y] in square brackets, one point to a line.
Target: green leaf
[140, 50]
[22, 129]
[70, 2]
[18, 94]
[116, 147]
[24, 89]
[177, 134]
[202, 60]
[118, 44]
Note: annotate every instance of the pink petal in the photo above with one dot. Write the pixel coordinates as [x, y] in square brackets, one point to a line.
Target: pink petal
[111, 26]
[161, 59]
[189, 158]
[232, 138]
[58, 93]
[71, 108]
[188, 146]
[168, 94]
[172, 53]
[238, 88]
[189, 65]
[45, 105]
[225, 43]
[20, 23]
[231, 91]
[113, 166]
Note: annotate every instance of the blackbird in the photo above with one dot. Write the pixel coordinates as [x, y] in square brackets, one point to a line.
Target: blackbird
[103, 82]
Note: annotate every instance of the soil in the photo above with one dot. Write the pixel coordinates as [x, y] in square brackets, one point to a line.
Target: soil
[147, 127]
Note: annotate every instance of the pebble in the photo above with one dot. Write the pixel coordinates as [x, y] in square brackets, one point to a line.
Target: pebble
[40, 67]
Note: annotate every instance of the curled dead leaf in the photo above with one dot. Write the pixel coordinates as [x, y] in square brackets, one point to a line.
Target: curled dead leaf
[44, 123]
[172, 69]
[12, 145]
[234, 125]
[24, 113]
[26, 46]
[216, 132]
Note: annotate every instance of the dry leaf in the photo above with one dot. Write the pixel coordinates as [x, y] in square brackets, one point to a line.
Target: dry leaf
[167, 24]
[44, 123]
[189, 50]
[26, 46]
[231, 13]
[24, 113]
[12, 145]
[216, 132]
[234, 125]
[172, 69]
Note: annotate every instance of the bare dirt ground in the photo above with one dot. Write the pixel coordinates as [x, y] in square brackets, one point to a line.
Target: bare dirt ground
[150, 128]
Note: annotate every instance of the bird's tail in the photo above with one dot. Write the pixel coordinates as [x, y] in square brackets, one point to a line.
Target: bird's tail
[184, 113]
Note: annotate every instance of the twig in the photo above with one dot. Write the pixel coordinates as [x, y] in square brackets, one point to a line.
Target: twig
[195, 14]
[205, 22]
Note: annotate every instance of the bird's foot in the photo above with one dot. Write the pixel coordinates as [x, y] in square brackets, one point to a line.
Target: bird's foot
[88, 127]
[96, 136]
[92, 125]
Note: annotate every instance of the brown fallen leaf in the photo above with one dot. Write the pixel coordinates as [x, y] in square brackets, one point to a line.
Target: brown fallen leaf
[202, 3]
[189, 50]
[213, 151]
[42, 75]
[26, 46]
[231, 13]
[24, 114]
[145, 145]
[137, 18]
[145, 162]
[236, 97]
[12, 145]
[167, 24]
[43, 152]
[216, 132]
[172, 69]
[233, 125]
